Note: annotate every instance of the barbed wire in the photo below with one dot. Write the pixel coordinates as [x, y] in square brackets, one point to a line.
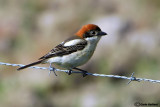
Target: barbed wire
[132, 78]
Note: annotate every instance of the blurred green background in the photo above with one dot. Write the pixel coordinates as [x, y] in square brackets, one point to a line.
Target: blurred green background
[31, 28]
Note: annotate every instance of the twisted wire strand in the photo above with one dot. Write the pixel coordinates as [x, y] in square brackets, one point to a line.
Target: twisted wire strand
[132, 78]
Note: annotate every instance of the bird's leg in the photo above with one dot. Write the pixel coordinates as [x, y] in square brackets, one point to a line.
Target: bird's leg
[84, 72]
[52, 69]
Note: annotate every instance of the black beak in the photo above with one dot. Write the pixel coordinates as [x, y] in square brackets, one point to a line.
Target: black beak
[101, 33]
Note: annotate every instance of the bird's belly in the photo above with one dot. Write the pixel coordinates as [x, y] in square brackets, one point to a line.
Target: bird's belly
[76, 59]
[73, 60]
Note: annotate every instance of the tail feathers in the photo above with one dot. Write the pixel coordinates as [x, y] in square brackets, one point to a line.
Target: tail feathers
[26, 66]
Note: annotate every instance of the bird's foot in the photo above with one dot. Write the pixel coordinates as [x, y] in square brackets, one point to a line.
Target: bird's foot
[69, 72]
[52, 69]
[84, 73]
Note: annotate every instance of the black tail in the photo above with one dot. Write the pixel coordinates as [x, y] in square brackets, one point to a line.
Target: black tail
[26, 66]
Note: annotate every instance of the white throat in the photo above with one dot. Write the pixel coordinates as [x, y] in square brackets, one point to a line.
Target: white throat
[93, 40]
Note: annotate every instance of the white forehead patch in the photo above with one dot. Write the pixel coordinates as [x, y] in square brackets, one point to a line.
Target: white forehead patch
[72, 42]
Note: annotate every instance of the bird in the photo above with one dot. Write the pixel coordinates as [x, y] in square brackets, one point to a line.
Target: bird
[74, 51]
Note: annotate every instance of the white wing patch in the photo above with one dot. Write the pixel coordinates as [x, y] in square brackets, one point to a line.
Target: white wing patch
[72, 42]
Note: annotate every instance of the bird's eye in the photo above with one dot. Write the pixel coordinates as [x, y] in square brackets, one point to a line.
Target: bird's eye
[93, 32]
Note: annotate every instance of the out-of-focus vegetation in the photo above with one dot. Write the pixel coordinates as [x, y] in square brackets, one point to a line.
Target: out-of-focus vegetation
[30, 28]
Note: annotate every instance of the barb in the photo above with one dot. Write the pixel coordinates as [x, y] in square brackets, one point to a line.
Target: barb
[132, 78]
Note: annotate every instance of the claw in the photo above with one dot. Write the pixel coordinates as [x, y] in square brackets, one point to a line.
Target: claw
[69, 72]
[84, 73]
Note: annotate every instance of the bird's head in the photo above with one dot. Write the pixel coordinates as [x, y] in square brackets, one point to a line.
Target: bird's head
[89, 31]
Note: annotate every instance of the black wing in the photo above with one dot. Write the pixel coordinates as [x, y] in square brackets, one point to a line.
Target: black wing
[61, 50]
